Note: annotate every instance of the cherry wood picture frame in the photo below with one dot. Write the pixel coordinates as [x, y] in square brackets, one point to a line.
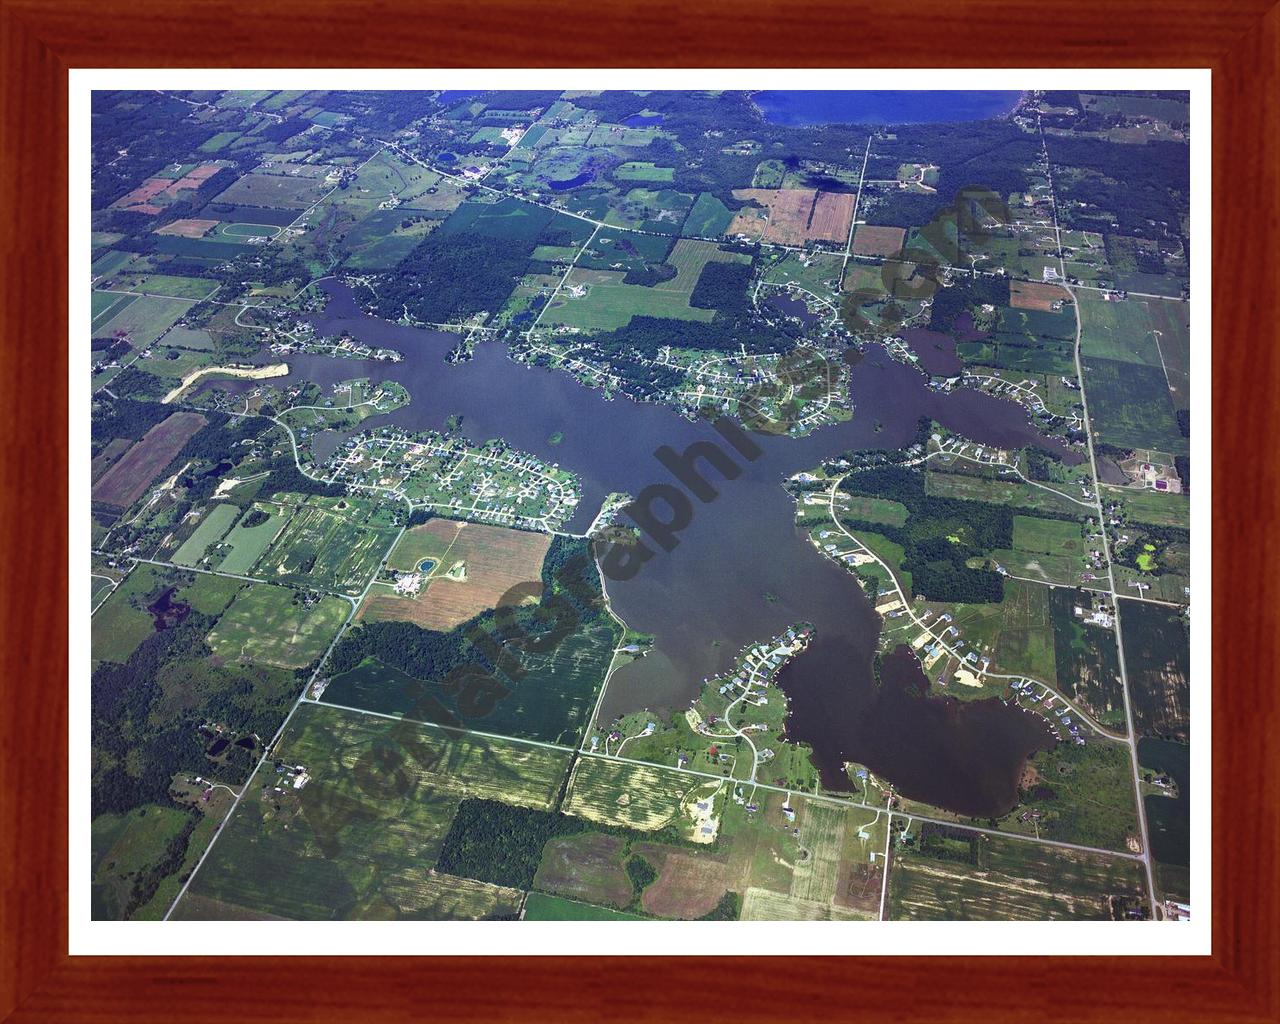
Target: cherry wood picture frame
[41, 39]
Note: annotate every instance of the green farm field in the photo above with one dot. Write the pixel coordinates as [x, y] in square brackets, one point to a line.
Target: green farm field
[609, 303]
[360, 841]
[106, 305]
[972, 876]
[244, 545]
[213, 527]
[635, 796]
[275, 626]
[1130, 406]
[330, 543]
[146, 319]
[538, 906]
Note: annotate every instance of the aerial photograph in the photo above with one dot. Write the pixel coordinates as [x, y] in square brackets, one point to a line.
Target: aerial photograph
[639, 505]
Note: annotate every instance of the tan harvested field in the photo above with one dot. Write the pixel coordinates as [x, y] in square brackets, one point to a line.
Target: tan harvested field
[1032, 295]
[796, 215]
[127, 480]
[193, 178]
[870, 240]
[789, 210]
[145, 192]
[495, 560]
[832, 215]
[750, 223]
[192, 227]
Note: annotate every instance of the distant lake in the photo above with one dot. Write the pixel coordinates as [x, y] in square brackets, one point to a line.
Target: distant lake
[889, 107]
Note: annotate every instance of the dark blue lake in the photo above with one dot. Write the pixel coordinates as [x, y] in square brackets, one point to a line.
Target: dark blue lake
[578, 179]
[818, 106]
[642, 120]
[742, 569]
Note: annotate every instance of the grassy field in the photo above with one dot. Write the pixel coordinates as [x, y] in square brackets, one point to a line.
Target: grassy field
[993, 490]
[111, 262]
[971, 876]
[145, 319]
[817, 272]
[609, 303]
[330, 543]
[511, 218]
[245, 544]
[631, 795]
[360, 839]
[106, 305]
[637, 170]
[587, 866]
[1158, 655]
[1147, 506]
[1130, 406]
[539, 906]
[708, 217]
[1048, 536]
[871, 510]
[274, 190]
[121, 623]
[213, 527]
[1084, 794]
[274, 625]
[1118, 330]
[166, 285]
[123, 847]
[1017, 633]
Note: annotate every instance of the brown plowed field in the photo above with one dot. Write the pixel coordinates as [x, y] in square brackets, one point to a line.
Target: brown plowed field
[869, 240]
[496, 560]
[127, 480]
[1032, 295]
[688, 885]
[832, 215]
[798, 215]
